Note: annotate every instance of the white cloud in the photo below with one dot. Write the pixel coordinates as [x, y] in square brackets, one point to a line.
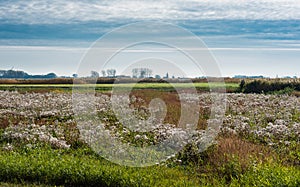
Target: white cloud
[67, 11]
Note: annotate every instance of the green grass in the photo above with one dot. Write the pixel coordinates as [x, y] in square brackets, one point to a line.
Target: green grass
[270, 175]
[5, 184]
[81, 167]
[45, 166]
[105, 87]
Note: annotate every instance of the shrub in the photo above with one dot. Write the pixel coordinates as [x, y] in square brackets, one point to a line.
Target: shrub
[259, 86]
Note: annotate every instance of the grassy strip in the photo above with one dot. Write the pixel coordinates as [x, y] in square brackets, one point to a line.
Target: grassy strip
[106, 87]
[270, 175]
[80, 168]
[5, 184]
[46, 166]
[138, 85]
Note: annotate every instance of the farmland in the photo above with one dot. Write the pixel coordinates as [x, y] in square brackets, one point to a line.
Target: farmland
[41, 144]
[108, 87]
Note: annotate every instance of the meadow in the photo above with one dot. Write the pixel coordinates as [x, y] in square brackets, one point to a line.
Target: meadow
[40, 143]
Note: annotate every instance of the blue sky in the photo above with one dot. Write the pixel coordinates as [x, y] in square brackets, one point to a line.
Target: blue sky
[252, 37]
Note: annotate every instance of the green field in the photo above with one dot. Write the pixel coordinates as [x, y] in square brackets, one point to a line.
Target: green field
[106, 87]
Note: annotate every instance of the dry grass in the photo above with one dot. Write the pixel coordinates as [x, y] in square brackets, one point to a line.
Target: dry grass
[245, 151]
[296, 93]
[170, 98]
[233, 156]
[173, 104]
[10, 119]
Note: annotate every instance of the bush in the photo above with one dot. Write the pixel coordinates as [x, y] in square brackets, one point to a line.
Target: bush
[259, 86]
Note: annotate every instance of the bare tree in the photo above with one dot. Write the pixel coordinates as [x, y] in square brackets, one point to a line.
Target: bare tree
[94, 74]
[103, 72]
[141, 73]
[111, 72]
[135, 73]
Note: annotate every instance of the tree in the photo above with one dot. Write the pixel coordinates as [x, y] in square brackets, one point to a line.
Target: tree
[242, 85]
[51, 76]
[103, 72]
[75, 75]
[157, 77]
[111, 72]
[141, 73]
[13, 74]
[94, 74]
[135, 73]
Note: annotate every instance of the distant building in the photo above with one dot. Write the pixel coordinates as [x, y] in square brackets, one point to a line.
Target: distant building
[167, 76]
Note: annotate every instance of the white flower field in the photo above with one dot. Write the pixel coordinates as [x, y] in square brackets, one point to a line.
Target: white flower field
[33, 120]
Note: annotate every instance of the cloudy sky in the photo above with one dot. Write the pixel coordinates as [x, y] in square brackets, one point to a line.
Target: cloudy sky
[252, 37]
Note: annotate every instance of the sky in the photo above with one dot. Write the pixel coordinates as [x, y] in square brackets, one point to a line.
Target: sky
[246, 37]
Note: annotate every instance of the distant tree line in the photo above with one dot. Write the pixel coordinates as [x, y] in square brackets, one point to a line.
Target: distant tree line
[136, 73]
[108, 73]
[141, 73]
[15, 74]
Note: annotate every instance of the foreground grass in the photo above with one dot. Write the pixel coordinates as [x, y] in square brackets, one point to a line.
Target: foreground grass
[269, 175]
[81, 167]
[218, 166]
